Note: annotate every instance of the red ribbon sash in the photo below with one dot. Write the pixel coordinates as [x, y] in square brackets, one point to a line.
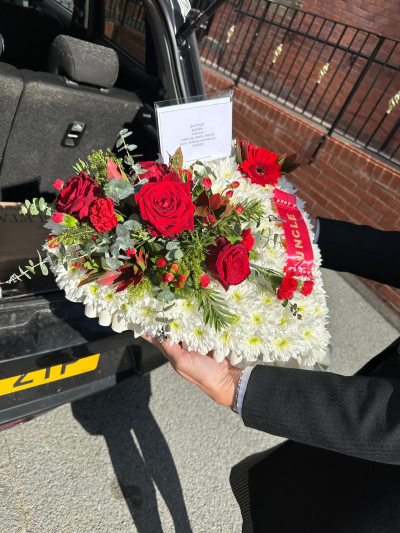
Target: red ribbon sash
[300, 256]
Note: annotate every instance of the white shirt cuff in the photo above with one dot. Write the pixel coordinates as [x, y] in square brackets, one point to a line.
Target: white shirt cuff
[243, 387]
[317, 230]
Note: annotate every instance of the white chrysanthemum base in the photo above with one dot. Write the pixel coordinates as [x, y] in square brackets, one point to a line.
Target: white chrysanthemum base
[264, 332]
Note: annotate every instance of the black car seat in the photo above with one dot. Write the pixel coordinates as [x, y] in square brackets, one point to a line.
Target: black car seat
[64, 114]
[10, 92]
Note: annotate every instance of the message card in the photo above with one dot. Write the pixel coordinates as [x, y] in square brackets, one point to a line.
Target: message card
[203, 129]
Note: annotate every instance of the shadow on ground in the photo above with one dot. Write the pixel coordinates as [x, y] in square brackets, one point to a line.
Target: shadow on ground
[138, 450]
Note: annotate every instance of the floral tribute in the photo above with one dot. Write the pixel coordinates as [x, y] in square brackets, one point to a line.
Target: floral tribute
[196, 254]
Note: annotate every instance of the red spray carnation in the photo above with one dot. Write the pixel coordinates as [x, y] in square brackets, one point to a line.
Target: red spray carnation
[228, 263]
[155, 171]
[287, 288]
[307, 287]
[166, 205]
[207, 183]
[261, 167]
[247, 239]
[102, 215]
[78, 195]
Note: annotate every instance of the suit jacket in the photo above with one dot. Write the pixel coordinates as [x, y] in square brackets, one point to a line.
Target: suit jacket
[305, 485]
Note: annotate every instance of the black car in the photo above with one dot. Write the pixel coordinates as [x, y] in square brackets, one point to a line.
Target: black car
[63, 92]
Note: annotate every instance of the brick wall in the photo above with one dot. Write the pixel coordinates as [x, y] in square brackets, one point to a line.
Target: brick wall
[343, 182]
[292, 77]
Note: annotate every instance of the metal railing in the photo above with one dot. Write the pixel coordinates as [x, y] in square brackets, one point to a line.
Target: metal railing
[342, 77]
[126, 13]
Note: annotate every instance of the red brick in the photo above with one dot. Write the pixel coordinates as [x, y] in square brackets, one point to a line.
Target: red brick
[354, 214]
[336, 212]
[370, 213]
[318, 198]
[345, 182]
[391, 294]
[393, 307]
[360, 180]
[386, 211]
[381, 193]
[349, 197]
[365, 196]
[386, 225]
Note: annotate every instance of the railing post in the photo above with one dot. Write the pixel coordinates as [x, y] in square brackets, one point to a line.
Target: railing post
[260, 23]
[349, 97]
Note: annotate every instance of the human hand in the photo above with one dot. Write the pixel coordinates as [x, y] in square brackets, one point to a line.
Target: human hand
[217, 380]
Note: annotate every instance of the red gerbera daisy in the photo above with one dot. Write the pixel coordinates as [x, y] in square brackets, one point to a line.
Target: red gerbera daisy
[261, 167]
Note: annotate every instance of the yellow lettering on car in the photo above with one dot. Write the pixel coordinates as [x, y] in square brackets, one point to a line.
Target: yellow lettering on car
[47, 375]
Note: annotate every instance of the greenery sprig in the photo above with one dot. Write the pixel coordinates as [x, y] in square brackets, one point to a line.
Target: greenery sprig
[215, 311]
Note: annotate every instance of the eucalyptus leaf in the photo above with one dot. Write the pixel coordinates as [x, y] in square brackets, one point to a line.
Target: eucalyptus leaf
[114, 250]
[123, 131]
[33, 210]
[166, 296]
[164, 320]
[132, 147]
[172, 245]
[112, 263]
[178, 254]
[27, 203]
[23, 210]
[119, 142]
[129, 160]
[43, 268]
[132, 225]
[125, 242]
[42, 204]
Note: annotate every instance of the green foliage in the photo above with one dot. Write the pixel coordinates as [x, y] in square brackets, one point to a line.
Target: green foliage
[35, 206]
[30, 268]
[136, 292]
[98, 165]
[80, 233]
[215, 311]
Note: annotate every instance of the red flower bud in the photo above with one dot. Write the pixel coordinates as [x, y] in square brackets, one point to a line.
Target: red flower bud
[239, 209]
[161, 262]
[235, 184]
[175, 267]
[204, 280]
[58, 184]
[131, 252]
[51, 238]
[207, 183]
[229, 194]
[169, 277]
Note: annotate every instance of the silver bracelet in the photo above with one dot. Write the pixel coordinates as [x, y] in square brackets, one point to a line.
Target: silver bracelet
[235, 403]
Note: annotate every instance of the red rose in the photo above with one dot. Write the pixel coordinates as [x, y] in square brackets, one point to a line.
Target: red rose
[155, 170]
[261, 167]
[307, 287]
[166, 205]
[287, 288]
[102, 215]
[247, 239]
[207, 183]
[78, 195]
[228, 263]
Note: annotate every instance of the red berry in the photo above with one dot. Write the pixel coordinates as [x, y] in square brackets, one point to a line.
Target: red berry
[131, 252]
[239, 209]
[235, 184]
[50, 239]
[204, 280]
[229, 194]
[175, 267]
[180, 285]
[182, 278]
[161, 262]
[163, 279]
[169, 277]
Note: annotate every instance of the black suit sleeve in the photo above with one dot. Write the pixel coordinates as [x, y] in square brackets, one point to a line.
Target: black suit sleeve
[358, 416]
[360, 250]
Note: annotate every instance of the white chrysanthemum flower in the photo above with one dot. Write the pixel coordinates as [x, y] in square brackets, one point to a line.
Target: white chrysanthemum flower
[199, 338]
[225, 169]
[253, 346]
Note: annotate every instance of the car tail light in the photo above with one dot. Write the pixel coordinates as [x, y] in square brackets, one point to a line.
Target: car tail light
[13, 423]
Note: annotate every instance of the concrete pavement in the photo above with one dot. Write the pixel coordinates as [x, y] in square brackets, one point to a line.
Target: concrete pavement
[153, 454]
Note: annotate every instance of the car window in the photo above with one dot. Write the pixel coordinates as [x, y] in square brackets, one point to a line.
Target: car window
[68, 4]
[125, 25]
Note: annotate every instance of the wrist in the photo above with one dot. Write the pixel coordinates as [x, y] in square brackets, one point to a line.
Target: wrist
[235, 378]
